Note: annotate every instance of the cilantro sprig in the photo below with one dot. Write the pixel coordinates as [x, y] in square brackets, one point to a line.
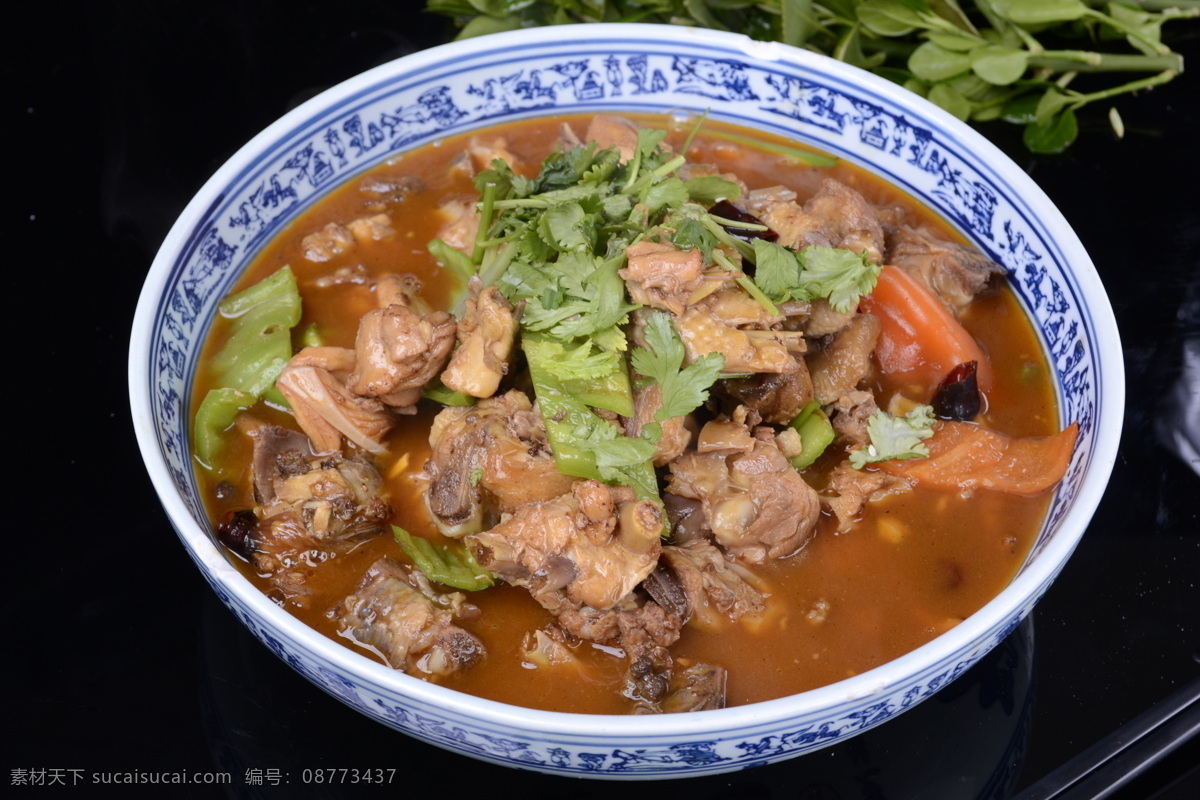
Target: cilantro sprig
[684, 389]
[841, 276]
[561, 239]
[1015, 60]
[893, 437]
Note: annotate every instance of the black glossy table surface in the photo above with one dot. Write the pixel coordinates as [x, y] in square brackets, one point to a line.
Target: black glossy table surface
[120, 659]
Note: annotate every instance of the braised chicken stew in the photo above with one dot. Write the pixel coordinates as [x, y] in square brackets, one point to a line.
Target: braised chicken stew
[626, 415]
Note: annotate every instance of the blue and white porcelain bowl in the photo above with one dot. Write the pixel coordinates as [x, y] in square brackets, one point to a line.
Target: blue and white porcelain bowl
[622, 68]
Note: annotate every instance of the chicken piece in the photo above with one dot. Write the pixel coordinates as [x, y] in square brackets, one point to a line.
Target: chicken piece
[486, 460]
[823, 320]
[844, 360]
[312, 507]
[724, 436]
[744, 350]
[795, 227]
[401, 290]
[484, 152]
[595, 544]
[772, 397]
[836, 216]
[695, 581]
[485, 341]
[643, 630]
[756, 505]
[676, 433]
[380, 193]
[313, 384]
[608, 130]
[700, 687]
[460, 226]
[849, 490]
[549, 648]
[663, 276]
[372, 229]
[847, 219]
[737, 309]
[325, 244]
[954, 273]
[410, 628]
[397, 352]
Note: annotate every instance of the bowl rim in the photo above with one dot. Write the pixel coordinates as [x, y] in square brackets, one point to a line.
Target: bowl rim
[1004, 609]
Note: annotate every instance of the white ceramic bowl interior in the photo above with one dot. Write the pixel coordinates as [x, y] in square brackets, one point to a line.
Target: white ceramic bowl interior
[621, 68]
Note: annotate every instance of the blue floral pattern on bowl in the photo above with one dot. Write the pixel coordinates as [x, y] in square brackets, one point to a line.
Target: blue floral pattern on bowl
[467, 86]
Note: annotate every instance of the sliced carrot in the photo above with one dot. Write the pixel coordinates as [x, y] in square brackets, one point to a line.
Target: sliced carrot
[919, 340]
[965, 456]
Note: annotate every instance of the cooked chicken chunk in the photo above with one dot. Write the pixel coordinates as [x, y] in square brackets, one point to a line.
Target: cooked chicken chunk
[330, 241]
[823, 320]
[404, 289]
[486, 460]
[485, 341]
[773, 397]
[836, 216]
[844, 359]
[851, 413]
[595, 544]
[847, 219]
[484, 151]
[756, 505]
[642, 629]
[697, 582]
[700, 687]
[662, 276]
[372, 229]
[849, 490]
[954, 273]
[411, 628]
[313, 383]
[312, 507]
[397, 352]
[460, 226]
[608, 130]
[744, 350]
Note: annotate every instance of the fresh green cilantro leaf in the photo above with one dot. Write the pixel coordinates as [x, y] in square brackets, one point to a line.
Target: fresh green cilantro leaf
[666, 193]
[664, 353]
[708, 189]
[841, 276]
[618, 451]
[579, 361]
[895, 437]
[604, 293]
[683, 390]
[625, 460]
[566, 227]
[776, 272]
[616, 208]
[692, 235]
[688, 389]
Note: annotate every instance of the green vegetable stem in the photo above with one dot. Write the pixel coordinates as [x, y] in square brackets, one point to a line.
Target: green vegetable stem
[1015, 60]
[450, 565]
[257, 350]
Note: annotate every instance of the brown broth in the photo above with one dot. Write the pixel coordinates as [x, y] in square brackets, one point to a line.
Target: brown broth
[913, 567]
